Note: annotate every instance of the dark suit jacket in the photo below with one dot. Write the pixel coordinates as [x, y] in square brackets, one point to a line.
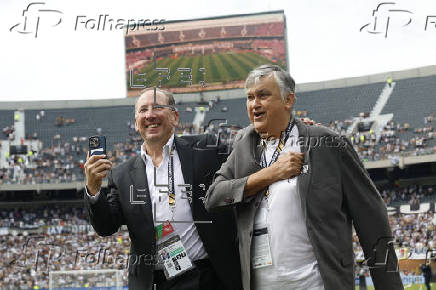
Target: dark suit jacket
[335, 191]
[114, 208]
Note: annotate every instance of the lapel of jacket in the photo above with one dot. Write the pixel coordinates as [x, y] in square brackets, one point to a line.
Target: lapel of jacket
[255, 157]
[185, 153]
[255, 147]
[304, 178]
[140, 191]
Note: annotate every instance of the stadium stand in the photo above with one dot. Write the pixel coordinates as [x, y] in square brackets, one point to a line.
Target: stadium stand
[414, 99]
[64, 132]
[64, 135]
[111, 120]
[236, 113]
[53, 238]
[329, 105]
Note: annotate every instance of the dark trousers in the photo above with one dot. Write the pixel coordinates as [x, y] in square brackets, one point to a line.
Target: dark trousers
[202, 277]
[427, 283]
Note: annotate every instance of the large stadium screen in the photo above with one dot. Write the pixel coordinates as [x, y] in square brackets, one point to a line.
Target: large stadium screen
[204, 54]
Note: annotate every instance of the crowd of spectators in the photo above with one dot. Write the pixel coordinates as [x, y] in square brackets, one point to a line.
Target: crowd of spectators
[391, 143]
[415, 231]
[413, 234]
[26, 259]
[407, 194]
[61, 162]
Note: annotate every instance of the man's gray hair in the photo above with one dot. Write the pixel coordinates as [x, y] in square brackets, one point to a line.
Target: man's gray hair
[167, 94]
[283, 79]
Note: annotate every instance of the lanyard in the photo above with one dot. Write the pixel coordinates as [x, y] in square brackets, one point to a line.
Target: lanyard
[279, 148]
[171, 187]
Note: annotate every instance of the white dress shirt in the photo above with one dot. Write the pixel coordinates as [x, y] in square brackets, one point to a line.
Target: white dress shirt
[294, 265]
[182, 210]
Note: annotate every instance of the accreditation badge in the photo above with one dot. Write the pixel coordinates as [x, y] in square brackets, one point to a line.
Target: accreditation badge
[261, 249]
[171, 252]
[261, 256]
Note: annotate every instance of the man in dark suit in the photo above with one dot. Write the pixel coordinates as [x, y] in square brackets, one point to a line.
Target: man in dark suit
[426, 272]
[297, 191]
[136, 198]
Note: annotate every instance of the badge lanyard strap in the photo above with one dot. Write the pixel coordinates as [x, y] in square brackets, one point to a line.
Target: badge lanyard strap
[171, 187]
[276, 153]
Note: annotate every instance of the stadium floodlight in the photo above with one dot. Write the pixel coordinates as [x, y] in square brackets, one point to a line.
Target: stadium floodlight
[111, 278]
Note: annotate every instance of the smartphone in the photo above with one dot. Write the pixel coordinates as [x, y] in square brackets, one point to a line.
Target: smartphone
[97, 145]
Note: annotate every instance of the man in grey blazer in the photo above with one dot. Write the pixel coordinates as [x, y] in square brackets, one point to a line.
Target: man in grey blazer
[297, 190]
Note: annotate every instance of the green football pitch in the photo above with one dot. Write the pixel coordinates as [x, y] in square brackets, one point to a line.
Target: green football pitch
[220, 68]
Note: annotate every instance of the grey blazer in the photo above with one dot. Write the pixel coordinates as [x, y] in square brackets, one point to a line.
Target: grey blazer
[336, 192]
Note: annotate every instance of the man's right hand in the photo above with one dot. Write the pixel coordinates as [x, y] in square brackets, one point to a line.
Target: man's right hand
[96, 168]
[288, 165]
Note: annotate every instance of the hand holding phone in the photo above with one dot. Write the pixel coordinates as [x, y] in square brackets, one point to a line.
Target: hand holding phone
[96, 166]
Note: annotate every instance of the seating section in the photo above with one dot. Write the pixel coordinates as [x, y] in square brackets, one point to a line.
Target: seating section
[113, 122]
[328, 105]
[233, 110]
[413, 99]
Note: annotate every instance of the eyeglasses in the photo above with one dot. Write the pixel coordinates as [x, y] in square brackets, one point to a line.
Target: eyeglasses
[156, 108]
